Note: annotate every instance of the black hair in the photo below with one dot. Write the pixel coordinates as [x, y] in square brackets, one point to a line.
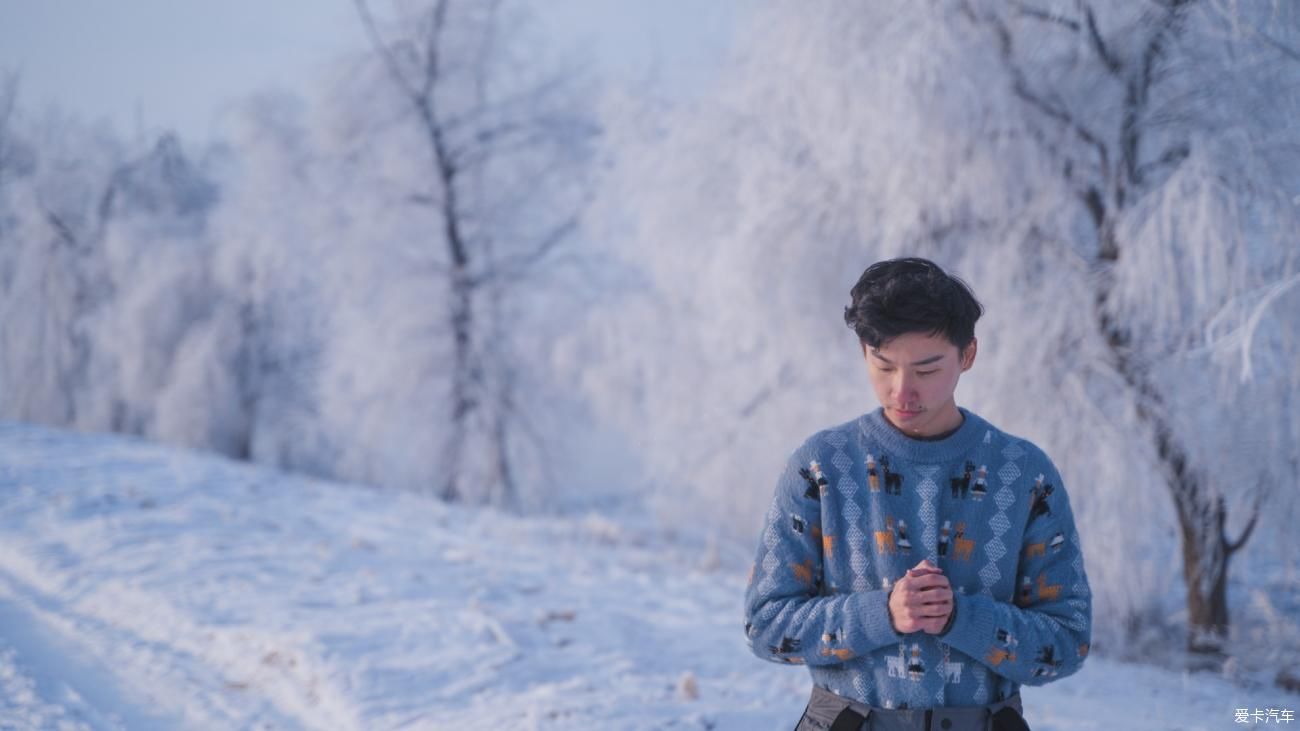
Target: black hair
[911, 295]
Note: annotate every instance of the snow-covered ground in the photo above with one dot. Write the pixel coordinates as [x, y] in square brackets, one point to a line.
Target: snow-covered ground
[148, 588]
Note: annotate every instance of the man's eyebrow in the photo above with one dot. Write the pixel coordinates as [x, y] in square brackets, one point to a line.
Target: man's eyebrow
[923, 361]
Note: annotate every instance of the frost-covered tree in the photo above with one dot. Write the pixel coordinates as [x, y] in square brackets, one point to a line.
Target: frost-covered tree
[386, 267]
[1173, 124]
[104, 277]
[365, 283]
[159, 263]
[488, 175]
[1124, 204]
[264, 345]
[58, 199]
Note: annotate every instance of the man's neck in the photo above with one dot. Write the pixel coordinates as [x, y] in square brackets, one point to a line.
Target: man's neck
[961, 419]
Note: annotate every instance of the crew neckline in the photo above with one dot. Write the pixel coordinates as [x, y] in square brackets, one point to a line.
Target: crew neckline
[932, 437]
[877, 428]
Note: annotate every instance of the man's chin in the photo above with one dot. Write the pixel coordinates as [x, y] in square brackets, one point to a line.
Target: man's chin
[905, 418]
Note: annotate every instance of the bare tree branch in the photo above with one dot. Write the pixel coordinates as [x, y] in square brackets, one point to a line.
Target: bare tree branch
[521, 103]
[60, 227]
[1046, 16]
[1231, 547]
[385, 52]
[424, 199]
[432, 52]
[518, 264]
[1108, 59]
[104, 211]
[523, 138]
[1171, 157]
[1286, 50]
[1020, 85]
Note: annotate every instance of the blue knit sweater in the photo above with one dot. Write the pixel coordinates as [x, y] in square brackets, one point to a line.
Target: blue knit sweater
[860, 504]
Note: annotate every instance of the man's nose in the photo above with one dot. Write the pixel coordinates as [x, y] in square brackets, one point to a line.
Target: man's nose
[904, 385]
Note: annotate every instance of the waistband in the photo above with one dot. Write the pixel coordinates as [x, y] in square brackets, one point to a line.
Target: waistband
[825, 707]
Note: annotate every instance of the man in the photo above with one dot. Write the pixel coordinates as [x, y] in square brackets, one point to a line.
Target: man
[923, 563]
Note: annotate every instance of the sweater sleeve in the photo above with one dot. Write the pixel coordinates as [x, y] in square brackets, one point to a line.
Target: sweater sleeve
[1044, 634]
[787, 617]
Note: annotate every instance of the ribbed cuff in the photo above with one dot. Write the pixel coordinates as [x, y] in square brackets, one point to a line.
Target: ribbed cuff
[870, 611]
[972, 626]
[952, 617]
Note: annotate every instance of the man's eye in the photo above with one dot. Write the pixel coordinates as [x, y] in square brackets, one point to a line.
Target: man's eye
[886, 370]
[926, 373]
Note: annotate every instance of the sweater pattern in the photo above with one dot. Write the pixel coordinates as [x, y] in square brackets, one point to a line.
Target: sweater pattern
[860, 504]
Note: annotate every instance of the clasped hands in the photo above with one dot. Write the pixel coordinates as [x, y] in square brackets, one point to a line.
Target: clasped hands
[921, 601]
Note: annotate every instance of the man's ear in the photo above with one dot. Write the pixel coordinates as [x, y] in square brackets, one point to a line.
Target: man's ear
[968, 355]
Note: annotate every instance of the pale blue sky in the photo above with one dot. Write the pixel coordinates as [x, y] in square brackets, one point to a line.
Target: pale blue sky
[176, 63]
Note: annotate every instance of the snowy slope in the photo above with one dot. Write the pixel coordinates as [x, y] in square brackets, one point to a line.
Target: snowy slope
[147, 588]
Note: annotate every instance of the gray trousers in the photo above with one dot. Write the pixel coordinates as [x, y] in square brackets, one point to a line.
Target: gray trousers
[825, 707]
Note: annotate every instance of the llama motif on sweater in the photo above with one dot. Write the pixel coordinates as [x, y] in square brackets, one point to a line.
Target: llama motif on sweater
[860, 504]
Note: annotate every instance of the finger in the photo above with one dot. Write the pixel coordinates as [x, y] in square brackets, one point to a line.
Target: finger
[941, 594]
[937, 580]
[927, 611]
[934, 593]
[926, 604]
[921, 580]
[929, 600]
[944, 606]
[929, 581]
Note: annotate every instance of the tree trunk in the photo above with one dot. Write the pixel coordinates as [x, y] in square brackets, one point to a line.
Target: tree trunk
[1205, 570]
[463, 380]
[501, 443]
[1202, 515]
[1206, 556]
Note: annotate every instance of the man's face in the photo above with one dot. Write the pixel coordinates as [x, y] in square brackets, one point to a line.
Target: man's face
[914, 376]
